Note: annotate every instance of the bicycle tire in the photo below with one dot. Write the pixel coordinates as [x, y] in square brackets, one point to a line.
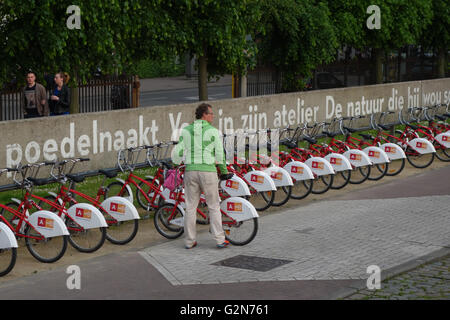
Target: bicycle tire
[250, 231]
[99, 235]
[301, 189]
[417, 160]
[359, 175]
[10, 217]
[161, 220]
[378, 171]
[341, 179]
[282, 195]
[322, 184]
[140, 197]
[264, 204]
[32, 244]
[110, 191]
[113, 230]
[8, 257]
[442, 153]
[395, 167]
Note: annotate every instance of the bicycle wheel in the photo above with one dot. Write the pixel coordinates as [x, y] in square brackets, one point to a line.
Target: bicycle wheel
[8, 258]
[301, 189]
[359, 175]
[115, 189]
[395, 167]
[282, 196]
[120, 232]
[378, 171]
[341, 179]
[322, 184]
[240, 233]
[204, 217]
[442, 153]
[9, 216]
[163, 216]
[419, 160]
[261, 200]
[85, 240]
[45, 250]
[149, 192]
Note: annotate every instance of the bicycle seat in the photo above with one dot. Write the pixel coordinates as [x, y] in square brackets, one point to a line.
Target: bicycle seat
[166, 164]
[288, 144]
[351, 130]
[110, 173]
[76, 177]
[331, 134]
[41, 181]
[310, 140]
[366, 136]
[384, 127]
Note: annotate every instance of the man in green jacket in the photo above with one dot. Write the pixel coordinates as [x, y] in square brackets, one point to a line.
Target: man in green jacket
[202, 147]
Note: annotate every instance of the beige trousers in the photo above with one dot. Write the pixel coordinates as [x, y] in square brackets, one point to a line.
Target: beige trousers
[196, 182]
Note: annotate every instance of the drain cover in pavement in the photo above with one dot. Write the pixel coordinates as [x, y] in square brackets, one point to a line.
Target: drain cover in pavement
[252, 263]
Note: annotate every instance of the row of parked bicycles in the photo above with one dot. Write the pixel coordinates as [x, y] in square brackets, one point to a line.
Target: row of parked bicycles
[303, 160]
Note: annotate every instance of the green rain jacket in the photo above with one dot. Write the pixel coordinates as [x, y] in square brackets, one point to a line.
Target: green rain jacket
[202, 147]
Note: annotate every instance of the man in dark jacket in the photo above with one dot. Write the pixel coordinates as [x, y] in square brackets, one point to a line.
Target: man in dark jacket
[59, 97]
[34, 98]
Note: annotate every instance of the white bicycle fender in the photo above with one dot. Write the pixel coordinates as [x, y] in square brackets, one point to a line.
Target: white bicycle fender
[48, 224]
[280, 176]
[238, 209]
[130, 192]
[299, 171]
[16, 200]
[357, 158]
[376, 155]
[393, 151]
[338, 162]
[260, 180]
[7, 238]
[444, 139]
[120, 208]
[422, 146]
[179, 221]
[235, 187]
[87, 216]
[319, 166]
[171, 197]
[60, 202]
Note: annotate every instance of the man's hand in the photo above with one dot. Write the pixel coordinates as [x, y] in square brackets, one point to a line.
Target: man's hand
[226, 176]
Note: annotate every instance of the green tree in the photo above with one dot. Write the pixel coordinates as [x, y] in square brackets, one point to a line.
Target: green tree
[113, 34]
[215, 32]
[437, 35]
[402, 23]
[298, 36]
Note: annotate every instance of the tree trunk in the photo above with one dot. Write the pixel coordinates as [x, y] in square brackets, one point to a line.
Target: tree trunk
[203, 76]
[441, 63]
[378, 64]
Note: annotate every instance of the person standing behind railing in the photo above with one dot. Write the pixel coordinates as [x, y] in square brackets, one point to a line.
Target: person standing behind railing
[59, 97]
[34, 98]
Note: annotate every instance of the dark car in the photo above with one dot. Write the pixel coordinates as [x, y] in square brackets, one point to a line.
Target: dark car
[324, 80]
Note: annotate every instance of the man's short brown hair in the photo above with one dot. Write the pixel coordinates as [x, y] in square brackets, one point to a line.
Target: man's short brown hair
[201, 110]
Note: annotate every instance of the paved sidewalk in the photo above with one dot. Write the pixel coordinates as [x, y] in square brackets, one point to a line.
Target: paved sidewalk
[331, 240]
[319, 250]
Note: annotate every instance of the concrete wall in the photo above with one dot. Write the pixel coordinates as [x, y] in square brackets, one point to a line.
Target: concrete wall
[100, 135]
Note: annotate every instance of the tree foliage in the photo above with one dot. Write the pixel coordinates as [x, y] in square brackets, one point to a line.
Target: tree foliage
[298, 36]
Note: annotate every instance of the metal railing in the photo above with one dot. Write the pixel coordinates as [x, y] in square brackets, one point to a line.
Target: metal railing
[100, 94]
